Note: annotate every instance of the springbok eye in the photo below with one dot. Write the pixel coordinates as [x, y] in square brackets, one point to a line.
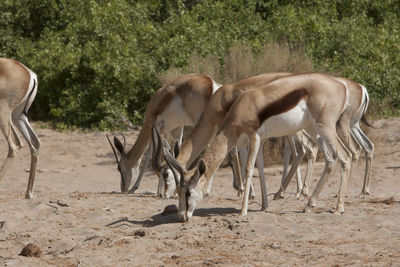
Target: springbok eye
[187, 194]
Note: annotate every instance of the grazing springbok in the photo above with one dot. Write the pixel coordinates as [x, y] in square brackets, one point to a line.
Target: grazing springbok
[18, 88]
[354, 139]
[313, 102]
[212, 118]
[177, 104]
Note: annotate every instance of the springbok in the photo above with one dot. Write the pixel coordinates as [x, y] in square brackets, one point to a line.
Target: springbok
[354, 139]
[211, 119]
[313, 102]
[18, 88]
[177, 104]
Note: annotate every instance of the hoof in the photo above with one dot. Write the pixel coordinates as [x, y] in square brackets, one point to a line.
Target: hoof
[303, 197]
[304, 192]
[311, 203]
[307, 209]
[338, 212]
[264, 205]
[362, 195]
[29, 195]
[133, 189]
[278, 196]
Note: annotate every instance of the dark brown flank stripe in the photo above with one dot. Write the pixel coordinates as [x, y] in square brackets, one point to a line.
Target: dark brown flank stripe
[282, 105]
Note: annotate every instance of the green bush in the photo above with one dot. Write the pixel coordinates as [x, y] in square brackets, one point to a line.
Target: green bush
[98, 59]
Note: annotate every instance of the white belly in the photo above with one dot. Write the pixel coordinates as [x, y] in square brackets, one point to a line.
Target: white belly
[286, 123]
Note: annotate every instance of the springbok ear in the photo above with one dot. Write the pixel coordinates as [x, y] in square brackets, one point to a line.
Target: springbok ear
[201, 166]
[119, 146]
[201, 169]
[176, 149]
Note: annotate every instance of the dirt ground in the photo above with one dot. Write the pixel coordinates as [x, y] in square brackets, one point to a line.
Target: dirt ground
[78, 217]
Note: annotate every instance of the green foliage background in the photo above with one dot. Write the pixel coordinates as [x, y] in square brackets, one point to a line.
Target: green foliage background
[98, 59]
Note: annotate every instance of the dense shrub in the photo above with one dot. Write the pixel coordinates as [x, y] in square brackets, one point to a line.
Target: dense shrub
[98, 59]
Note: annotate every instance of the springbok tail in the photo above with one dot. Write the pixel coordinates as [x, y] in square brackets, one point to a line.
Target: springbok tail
[366, 103]
[33, 86]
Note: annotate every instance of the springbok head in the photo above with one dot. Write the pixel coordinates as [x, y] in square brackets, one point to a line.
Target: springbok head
[188, 191]
[127, 173]
[164, 173]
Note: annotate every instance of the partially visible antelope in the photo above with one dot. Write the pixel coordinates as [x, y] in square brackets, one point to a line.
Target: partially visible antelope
[177, 104]
[18, 88]
[350, 133]
[313, 102]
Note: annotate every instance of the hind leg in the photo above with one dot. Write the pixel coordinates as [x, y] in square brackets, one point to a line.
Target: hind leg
[326, 140]
[368, 147]
[8, 132]
[345, 158]
[343, 129]
[31, 138]
[332, 149]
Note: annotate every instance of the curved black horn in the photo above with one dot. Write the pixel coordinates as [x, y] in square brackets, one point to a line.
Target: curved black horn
[113, 147]
[169, 159]
[156, 159]
[174, 164]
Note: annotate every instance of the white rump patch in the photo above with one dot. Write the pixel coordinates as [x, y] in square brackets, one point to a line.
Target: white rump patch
[216, 86]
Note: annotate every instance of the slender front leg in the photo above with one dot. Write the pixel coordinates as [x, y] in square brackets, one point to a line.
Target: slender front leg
[260, 166]
[237, 170]
[312, 151]
[368, 147]
[254, 144]
[243, 155]
[298, 156]
[296, 162]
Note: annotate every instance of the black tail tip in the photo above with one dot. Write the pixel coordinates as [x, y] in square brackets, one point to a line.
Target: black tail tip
[366, 122]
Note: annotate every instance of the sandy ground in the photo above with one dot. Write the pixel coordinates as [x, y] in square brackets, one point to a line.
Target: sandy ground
[101, 227]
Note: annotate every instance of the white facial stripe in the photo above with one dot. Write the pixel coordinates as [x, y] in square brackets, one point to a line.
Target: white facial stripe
[194, 198]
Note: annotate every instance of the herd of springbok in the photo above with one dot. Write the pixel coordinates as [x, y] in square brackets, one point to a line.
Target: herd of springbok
[311, 111]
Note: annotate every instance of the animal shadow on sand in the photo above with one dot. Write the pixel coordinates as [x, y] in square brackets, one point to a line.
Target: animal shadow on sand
[159, 219]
